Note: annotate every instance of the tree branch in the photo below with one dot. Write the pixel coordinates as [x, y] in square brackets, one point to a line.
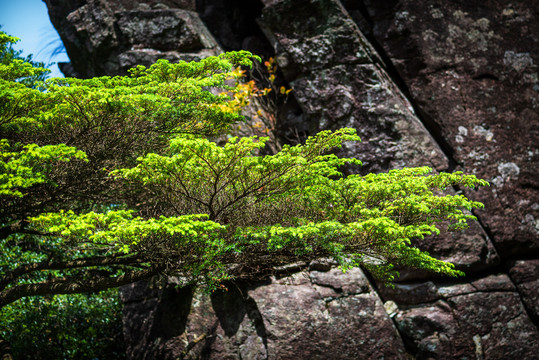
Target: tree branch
[70, 286]
[18, 227]
[61, 265]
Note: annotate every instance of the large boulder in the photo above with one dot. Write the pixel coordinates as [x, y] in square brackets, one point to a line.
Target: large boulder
[308, 315]
[107, 37]
[471, 69]
[339, 81]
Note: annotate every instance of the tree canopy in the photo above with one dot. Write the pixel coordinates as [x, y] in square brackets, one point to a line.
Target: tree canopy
[110, 180]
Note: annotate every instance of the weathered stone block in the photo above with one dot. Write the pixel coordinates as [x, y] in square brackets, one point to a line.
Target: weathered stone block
[485, 319]
[362, 97]
[314, 34]
[164, 30]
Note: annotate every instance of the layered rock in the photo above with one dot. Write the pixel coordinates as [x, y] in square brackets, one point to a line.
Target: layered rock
[449, 85]
[484, 318]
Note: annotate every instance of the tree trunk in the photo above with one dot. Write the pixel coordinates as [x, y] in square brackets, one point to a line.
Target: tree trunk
[5, 350]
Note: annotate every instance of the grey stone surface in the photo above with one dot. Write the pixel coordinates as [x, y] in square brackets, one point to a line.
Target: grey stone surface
[107, 38]
[360, 96]
[165, 30]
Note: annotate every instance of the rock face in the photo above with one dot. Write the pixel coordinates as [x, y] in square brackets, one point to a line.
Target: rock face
[484, 318]
[471, 68]
[450, 85]
[525, 275]
[339, 81]
[304, 316]
[109, 37]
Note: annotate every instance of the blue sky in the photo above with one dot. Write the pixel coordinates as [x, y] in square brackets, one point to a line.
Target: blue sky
[29, 21]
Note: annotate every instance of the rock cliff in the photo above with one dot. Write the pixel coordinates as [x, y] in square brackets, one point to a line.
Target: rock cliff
[451, 85]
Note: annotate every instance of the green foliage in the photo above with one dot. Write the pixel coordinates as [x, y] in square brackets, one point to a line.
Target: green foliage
[109, 180]
[29, 166]
[199, 176]
[294, 202]
[57, 327]
[14, 67]
[65, 327]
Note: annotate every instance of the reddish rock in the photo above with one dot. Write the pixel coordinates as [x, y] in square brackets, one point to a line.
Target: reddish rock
[471, 69]
[484, 319]
[525, 274]
[305, 316]
[312, 315]
[430, 291]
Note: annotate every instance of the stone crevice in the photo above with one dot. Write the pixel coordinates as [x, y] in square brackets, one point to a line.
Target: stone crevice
[529, 312]
[408, 344]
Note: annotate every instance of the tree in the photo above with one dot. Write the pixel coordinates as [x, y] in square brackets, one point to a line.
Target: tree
[8, 54]
[111, 180]
[75, 326]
